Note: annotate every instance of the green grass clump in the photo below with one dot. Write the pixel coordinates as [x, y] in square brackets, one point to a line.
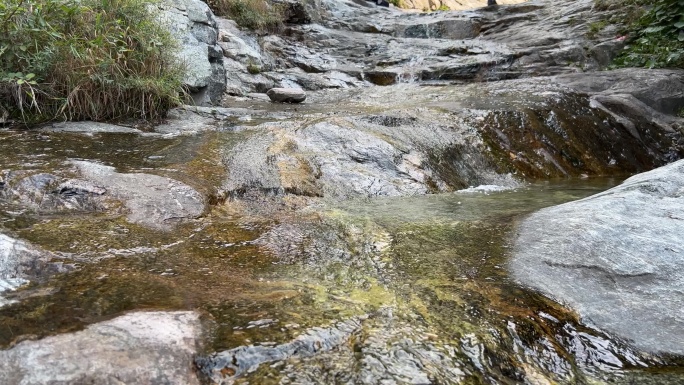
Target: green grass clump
[86, 60]
[657, 37]
[596, 28]
[258, 15]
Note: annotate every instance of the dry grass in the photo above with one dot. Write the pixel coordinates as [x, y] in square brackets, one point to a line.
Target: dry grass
[258, 15]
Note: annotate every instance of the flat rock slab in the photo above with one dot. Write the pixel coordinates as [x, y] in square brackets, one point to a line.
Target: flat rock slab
[616, 258]
[152, 200]
[137, 348]
[89, 128]
[286, 95]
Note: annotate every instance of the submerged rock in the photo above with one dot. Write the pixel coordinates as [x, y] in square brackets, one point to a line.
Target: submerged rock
[286, 95]
[21, 263]
[376, 349]
[615, 257]
[244, 359]
[89, 128]
[137, 348]
[152, 200]
[48, 193]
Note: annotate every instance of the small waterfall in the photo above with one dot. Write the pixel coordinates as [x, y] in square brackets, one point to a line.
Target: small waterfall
[410, 72]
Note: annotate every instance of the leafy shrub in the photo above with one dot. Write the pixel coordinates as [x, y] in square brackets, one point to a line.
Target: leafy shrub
[257, 15]
[444, 7]
[85, 59]
[657, 37]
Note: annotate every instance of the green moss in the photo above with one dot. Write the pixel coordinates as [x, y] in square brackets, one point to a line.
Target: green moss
[596, 28]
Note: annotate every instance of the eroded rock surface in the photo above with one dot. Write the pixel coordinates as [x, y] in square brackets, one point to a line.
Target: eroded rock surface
[152, 200]
[615, 257]
[137, 348]
[194, 25]
[356, 44]
[21, 263]
[444, 138]
[286, 95]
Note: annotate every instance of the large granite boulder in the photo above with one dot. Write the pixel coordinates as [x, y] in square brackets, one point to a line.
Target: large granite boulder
[137, 348]
[194, 25]
[616, 258]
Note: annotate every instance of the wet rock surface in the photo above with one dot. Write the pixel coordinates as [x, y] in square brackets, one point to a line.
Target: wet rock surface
[88, 128]
[146, 347]
[374, 145]
[22, 263]
[194, 25]
[48, 193]
[152, 200]
[286, 95]
[615, 257]
[369, 44]
[360, 237]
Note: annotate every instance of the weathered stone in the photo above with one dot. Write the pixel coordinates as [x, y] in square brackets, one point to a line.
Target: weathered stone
[247, 358]
[286, 95]
[604, 53]
[194, 25]
[615, 257]
[151, 200]
[452, 4]
[455, 28]
[49, 193]
[21, 263]
[137, 348]
[89, 128]
[296, 12]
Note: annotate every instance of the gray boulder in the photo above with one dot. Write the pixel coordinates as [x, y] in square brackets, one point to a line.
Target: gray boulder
[48, 193]
[151, 200]
[615, 257]
[194, 25]
[137, 348]
[286, 95]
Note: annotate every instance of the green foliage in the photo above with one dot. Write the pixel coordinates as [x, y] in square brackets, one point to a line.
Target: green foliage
[595, 28]
[85, 59]
[657, 37]
[398, 3]
[256, 15]
[444, 7]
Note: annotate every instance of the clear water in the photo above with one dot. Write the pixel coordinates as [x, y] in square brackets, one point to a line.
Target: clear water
[420, 282]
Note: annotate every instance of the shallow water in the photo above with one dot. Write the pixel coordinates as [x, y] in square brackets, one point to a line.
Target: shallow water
[382, 290]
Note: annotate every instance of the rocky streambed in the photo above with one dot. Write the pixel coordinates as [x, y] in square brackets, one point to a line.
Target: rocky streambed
[440, 231]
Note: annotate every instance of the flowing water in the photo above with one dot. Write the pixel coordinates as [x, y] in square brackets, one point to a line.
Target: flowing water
[383, 290]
